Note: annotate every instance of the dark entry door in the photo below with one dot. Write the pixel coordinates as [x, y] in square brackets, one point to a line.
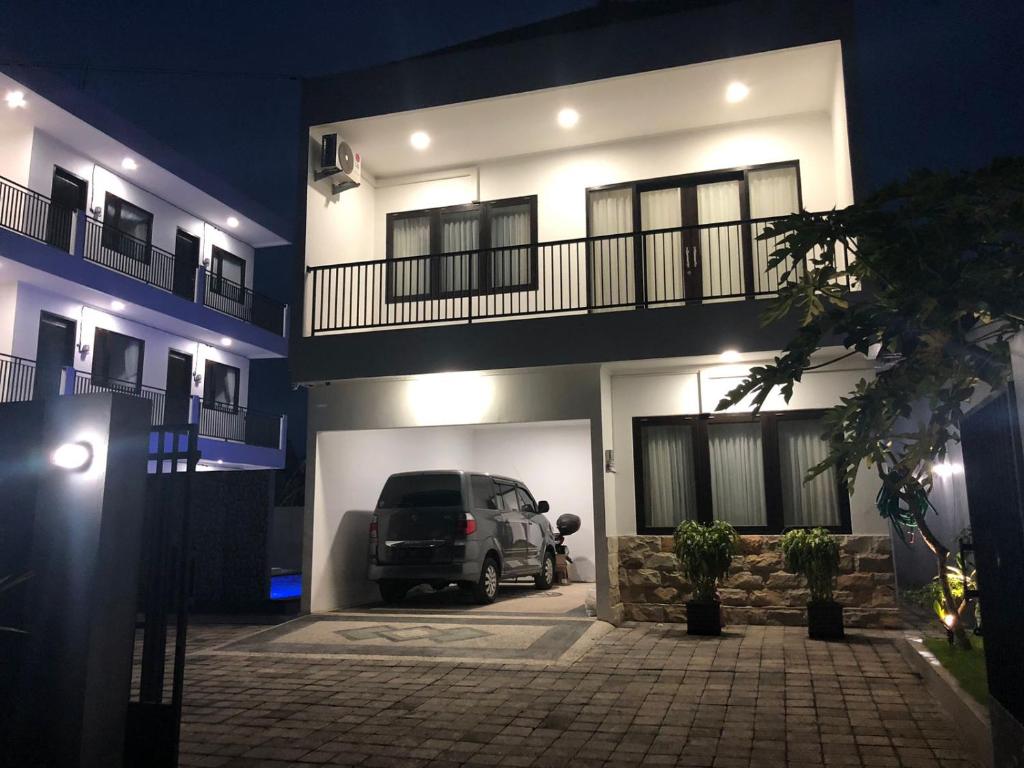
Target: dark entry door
[68, 194]
[186, 261]
[179, 387]
[55, 349]
[994, 472]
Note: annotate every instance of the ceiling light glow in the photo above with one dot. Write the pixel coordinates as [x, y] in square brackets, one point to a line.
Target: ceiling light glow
[129, 164]
[736, 92]
[116, 305]
[232, 222]
[74, 457]
[568, 117]
[15, 100]
[420, 140]
[225, 341]
[729, 356]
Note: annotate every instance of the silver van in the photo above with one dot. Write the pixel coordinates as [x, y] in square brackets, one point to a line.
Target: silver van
[450, 526]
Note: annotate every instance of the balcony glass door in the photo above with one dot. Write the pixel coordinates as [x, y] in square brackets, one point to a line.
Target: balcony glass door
[67, 194]
[55, 349]
[773, 192]
[186, 260]
[719, 249]
[179, 387]
[666, 272]
[610, 266]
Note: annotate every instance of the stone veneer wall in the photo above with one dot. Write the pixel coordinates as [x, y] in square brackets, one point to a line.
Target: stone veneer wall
[646, 583]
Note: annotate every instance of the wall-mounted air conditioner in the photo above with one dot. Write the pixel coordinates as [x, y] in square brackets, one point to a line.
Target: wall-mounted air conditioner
[337, 164]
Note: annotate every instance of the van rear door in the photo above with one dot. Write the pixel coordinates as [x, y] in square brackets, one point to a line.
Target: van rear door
[418, 517]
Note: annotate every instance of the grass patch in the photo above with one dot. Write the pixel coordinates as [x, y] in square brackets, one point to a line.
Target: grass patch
[968, 667]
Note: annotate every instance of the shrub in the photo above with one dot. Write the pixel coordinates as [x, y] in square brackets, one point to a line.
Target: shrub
[814, 554]
[706, 552]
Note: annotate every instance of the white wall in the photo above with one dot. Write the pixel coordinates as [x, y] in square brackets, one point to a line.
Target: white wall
[22, 335]
[697, 389]
[16, 151]
[167, 218]
[552, 459]
[840, 140]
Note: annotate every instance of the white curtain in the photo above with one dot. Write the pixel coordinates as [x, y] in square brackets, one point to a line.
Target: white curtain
[459, 232]
[805, 504]
[737, 473]
[227, 386]
[123, 362]
[663, 262]
[669, 488]
[411, 237]
[510, 225]
[612, 276]
[772, 192]
[721, 248]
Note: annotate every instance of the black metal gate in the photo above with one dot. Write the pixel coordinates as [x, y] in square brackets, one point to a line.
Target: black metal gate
[994, 473]
[154, 718]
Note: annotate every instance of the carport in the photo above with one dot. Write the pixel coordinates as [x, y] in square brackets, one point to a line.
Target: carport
[553, 458]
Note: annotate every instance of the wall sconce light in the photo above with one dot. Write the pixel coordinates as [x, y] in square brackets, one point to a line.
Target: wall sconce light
[84, 350]
[197, 378]
[74, 457]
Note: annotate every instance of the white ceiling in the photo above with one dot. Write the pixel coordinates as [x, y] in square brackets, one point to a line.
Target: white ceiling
[108, 152]
[782, 82]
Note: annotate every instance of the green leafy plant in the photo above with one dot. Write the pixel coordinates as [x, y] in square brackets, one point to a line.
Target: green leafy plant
[940, 259]
[814, 554]
[931, 596]
[705, 552]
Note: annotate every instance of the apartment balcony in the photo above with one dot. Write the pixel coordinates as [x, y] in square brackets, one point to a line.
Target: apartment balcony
[75, 234]
[686, 290]
[228, 434]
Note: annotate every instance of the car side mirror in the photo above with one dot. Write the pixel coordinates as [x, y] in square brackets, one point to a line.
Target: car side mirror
[543, 507]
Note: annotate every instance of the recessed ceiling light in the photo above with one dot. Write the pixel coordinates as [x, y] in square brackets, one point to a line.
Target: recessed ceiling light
[225, 341]
[568, 117]
[736, 92]
[232, 222]
[129, 164]
[15, 99]
[420, 140]
[729, 356]
[116, 305]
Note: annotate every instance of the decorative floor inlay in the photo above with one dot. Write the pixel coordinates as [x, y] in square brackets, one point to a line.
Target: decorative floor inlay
[428, 633]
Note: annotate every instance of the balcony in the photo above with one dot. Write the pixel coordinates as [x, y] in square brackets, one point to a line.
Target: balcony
[33, 215]
[220, 425]
[723, 262]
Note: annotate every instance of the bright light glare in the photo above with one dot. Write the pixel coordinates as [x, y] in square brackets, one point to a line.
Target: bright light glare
[225, 341]
[232, 222]
[15, 100]
[129, 164]
[116, 305]
[947, 469]
[72, 456]
[729, 356]
[568, 117]
[736, 92]
[450, 398]
[420, 140]
[949, 620]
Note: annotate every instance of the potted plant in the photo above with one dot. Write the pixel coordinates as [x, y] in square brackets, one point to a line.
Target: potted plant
[814, 554]
[705, 552]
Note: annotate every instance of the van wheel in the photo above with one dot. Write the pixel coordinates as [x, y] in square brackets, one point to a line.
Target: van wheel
[546, 578]
[392, 591]
[486, 588]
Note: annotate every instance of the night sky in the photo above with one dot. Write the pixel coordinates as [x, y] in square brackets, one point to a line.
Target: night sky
[944, 78]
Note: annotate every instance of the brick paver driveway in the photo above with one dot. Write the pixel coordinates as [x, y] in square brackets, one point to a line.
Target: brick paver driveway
[643, 695]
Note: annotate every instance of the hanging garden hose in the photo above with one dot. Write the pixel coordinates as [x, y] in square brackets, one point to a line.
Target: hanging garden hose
[901, 500]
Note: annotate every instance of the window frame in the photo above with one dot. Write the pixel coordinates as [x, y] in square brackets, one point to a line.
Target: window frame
[482, 267]
[217, 257]
[700, 423]
[214, 404]
[113, 234]
[104, 379]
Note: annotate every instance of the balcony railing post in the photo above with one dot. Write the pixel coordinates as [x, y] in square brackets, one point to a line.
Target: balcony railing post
[67, 381]
[200, 297]
[194, 406]
[284, 321]
[78, 243]
[282, 433]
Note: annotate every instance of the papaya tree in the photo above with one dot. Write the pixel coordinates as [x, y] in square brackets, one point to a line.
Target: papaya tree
[927, 277]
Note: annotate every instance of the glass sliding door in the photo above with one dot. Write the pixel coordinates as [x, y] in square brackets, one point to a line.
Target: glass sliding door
[737, 473]
[611, 269]
[460, 240]
[773, 192]
[720, 247]
[410, 236]
[667, 487]
[811, 503]
[664, 268]
[510, 266]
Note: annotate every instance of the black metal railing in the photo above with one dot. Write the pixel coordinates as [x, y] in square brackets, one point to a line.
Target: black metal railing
[86, 383]
[665, 267]
[136, 258]
[238, 301]
[33, 215]
[242, 425]
[17, 379]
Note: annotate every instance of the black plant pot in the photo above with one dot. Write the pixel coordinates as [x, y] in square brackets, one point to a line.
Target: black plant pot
[825, 621]
[703, 618]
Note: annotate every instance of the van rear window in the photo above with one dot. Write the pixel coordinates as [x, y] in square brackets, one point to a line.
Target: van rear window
[402, 491]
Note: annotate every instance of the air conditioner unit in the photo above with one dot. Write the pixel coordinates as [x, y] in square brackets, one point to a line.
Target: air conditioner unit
[338, 164]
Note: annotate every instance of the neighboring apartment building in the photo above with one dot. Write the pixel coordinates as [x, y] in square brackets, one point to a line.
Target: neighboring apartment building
[118, 273]
[550, 269]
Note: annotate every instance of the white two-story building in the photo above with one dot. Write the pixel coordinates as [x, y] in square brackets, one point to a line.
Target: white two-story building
[545, 263]
[124, 268]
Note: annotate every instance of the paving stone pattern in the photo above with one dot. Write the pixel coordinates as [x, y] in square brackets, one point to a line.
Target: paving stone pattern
[644, 695]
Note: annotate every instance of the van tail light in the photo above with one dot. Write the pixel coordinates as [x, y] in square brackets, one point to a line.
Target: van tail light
[373, 530]
[466, 525]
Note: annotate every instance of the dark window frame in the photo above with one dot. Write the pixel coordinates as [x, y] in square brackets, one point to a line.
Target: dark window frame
[481, 266]
[218, 256]
[101, 359]
[114, 237]
[702, 470]
[218, 405]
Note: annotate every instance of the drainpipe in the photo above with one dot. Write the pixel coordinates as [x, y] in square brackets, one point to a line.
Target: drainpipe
[194, 407]
[282, 433]
[78, 243]
[67, 381]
